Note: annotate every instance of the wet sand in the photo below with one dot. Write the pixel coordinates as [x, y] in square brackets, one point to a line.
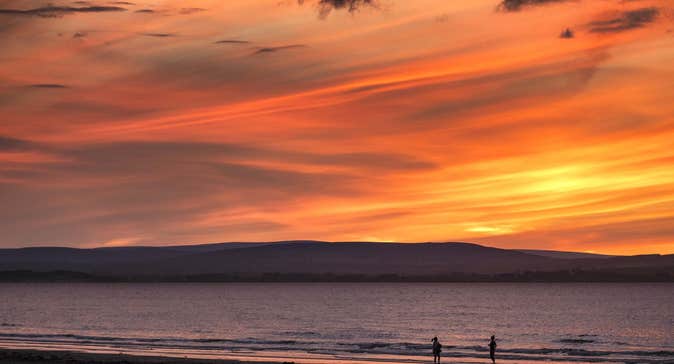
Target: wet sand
[18, 356]
[32, 356]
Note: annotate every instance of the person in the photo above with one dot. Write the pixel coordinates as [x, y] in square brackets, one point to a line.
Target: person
[437, 349]
[492, 349]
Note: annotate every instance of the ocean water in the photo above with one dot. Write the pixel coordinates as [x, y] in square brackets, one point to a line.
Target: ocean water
[612, 323]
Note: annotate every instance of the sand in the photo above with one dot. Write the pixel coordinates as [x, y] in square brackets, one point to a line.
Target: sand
[18, 356]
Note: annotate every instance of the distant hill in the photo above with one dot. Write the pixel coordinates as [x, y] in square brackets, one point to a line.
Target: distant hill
[563, 255]
[312, 260]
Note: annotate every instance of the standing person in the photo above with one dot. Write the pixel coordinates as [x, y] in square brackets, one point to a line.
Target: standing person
[492, 349]
[437, 349]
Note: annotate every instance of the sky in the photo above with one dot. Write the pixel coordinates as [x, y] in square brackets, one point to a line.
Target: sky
[538, 124]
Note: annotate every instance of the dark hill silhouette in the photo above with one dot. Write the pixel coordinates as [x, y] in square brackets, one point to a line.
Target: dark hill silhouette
[351, 258]
[563, 255]
[316, 258]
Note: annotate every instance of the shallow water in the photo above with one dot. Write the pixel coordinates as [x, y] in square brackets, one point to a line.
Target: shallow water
[532, 322]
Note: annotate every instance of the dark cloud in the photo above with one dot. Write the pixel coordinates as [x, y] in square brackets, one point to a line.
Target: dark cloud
[516, 5]
[279, 48]
[9, 143]
[48, 85]
[627, 20]
[79, 35]
[232, 41]
[122, 3]
[57, 11]
[145, 11]
[566, 34]
[325, 7]
[159, 35]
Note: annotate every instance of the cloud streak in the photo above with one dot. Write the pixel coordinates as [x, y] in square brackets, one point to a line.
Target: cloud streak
[517, 5]
[159, 35]
[56, 11]
[9, 143]
[231, 41]
[48, 85]
[625, 21]
[263, 50]
[325, 7]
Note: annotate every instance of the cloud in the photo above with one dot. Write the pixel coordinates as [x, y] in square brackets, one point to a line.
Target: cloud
[442, 18]
[627, 20]
[507, 89]
[516, 5]
[148, 11]
[9, 143]
[566, 34]
[593, 237]
[159, 35]
[48, 85]
[279, 48]
[187, 11]
[231, 41]
[57, 11]
[157, 189]
[325, 7]
[239, 153]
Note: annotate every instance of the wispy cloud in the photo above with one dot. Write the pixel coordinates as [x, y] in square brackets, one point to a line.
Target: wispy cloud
[325, 7]
[624, 21]
[48, 85]
[278, 48]
[516, 5]
[187, 11]
[232, 41]
[10, 143]
[159, 35]
[56, 11]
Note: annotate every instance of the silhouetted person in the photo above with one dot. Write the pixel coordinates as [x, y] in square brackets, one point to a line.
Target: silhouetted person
[437, 349]
[492, 349]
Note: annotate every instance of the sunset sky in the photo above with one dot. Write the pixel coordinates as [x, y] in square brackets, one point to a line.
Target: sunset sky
[171, 122]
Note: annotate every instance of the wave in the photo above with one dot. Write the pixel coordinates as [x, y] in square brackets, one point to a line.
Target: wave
[340, 348]
[576, 341]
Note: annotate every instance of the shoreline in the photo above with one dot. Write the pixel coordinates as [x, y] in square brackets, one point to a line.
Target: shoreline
[659, 275]
[26, 356]
[18, 355]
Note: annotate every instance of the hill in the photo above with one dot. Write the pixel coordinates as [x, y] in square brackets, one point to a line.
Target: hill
[307, 260]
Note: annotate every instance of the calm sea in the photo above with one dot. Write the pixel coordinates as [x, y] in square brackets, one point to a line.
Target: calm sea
[631, 323]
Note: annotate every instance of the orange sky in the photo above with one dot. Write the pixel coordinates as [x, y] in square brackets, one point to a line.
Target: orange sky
[165, 122]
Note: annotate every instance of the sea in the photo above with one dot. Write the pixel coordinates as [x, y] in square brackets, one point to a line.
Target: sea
[346, 322]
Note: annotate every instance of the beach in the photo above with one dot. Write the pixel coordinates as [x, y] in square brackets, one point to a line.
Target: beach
[24, 356]
[28, 356]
